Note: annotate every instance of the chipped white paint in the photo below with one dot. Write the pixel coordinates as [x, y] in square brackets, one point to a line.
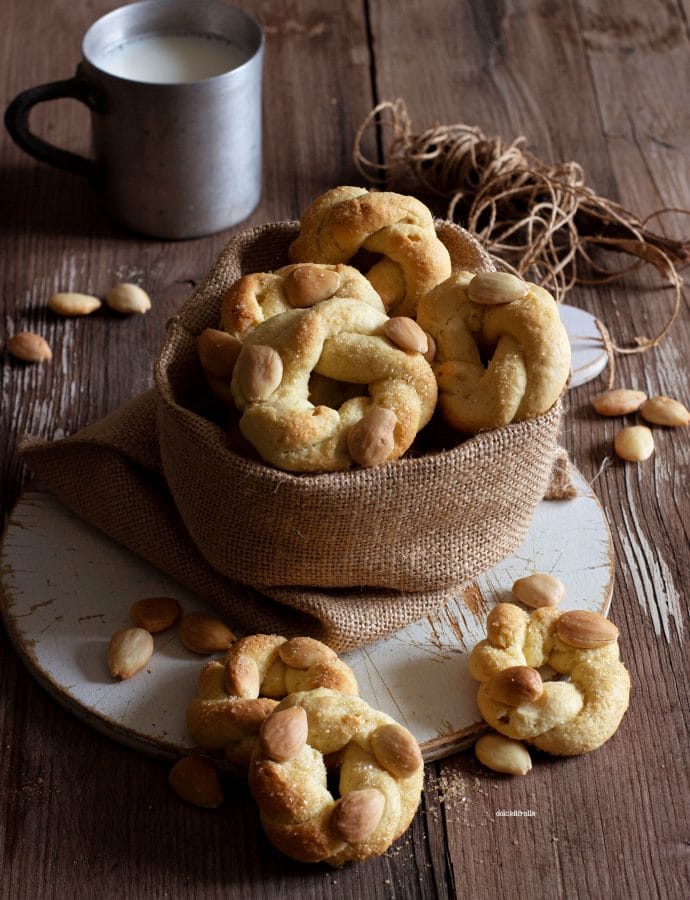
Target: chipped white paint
[66, 588]
[589, 357]
[656, 590]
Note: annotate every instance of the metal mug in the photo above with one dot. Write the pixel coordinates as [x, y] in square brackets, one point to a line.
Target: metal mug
[172, 160]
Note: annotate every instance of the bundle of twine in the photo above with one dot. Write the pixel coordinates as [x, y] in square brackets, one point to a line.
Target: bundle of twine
[536, 220]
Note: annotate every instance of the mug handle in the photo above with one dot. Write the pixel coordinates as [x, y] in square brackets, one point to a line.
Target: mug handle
[17, 123]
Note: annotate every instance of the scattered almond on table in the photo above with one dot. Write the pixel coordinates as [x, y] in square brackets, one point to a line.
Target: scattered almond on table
[618, 402]
[502, 754]
[128, 299]
[129, 651]
[155, 613]
[202, 633]
[539, 589]
[67, 303]
[665, 411]
[194, 779]
[29, 347]
[634, 443]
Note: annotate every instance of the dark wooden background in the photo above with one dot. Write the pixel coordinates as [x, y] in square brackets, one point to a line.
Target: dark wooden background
[601, 81]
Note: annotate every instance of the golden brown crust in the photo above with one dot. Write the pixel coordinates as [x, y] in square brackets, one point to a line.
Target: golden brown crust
[347, 219]
[343, 340]
[228, 716]
[568, 717]
[530, 353]
[296, 806]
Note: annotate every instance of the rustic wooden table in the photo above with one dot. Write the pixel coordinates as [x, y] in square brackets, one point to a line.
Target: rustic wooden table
[602, 82]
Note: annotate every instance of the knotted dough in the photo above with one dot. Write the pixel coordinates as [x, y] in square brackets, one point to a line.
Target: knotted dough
[500, 358]
[381, 775]
[236, 695]
[401, 229]
[561, 717]
[343, 340]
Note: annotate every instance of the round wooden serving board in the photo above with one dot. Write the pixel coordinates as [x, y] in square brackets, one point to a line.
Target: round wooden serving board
[66, 588]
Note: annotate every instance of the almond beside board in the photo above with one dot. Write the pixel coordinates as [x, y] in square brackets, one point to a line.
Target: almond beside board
[29, 347]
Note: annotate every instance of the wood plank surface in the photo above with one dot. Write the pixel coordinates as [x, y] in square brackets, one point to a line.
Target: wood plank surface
[600, 81]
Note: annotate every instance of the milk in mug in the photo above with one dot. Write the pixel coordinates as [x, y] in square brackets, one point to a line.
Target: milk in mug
[172, 58]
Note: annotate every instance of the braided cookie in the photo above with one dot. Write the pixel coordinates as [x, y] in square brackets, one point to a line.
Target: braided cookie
[236, 696]
[561, 717]
[381, 778]
[400, 228]
[517, 326]
[257, 297]
[344, 340]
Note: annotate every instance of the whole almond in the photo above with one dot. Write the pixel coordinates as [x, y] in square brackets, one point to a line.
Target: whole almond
[242, 677]
[259, 372]
[29, 347]
[665, 411]
[128, 299]
[357, 814]
[618, 402]
[539, 589]
[494, 288]
[515, 686]
[501, 754]
[371, 440]
[585, 630]
[155, 613]
[129, 651]
[406, 334]
[194, 779]
[218, 352]
[284, 733]
[310, 284]
[305, 652]
[634, 443]
[396, 750]
[68, 303]
[202, 633]
[430, 354]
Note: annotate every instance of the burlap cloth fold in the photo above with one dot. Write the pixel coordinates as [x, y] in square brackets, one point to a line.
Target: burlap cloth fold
[346, 557]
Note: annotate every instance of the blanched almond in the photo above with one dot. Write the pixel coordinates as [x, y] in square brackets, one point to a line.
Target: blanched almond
[218, 352]
[242, 677]
[155, 613]
[430, 354]
[539, 589]
[310, 284]
[396, 750]
[129, 651]
[194, 779]
[128, 299]
[515, 686]
[618, 402]
[29, 347]
[406, 334]
[259, 372]
[371, 440]
[284, 733]
[305, 652]
[585, 630]
[494, 288]
[357, 814]
[202, 633]
[68, 303]
[665, 411]
[501, 754]
[634, 444]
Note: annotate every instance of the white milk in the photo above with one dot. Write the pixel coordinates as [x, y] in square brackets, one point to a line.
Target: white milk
[172, 59]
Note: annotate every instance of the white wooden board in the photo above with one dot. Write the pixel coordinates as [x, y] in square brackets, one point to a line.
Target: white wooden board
[66, 588]
[589, 357]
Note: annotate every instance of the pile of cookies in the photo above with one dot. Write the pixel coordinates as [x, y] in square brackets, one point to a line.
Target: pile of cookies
[288, 712]
[331, 367]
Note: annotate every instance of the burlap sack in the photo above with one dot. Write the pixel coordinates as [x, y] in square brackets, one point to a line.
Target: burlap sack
[347, 557]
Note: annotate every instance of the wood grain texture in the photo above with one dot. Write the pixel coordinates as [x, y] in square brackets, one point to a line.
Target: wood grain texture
[600, 81]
